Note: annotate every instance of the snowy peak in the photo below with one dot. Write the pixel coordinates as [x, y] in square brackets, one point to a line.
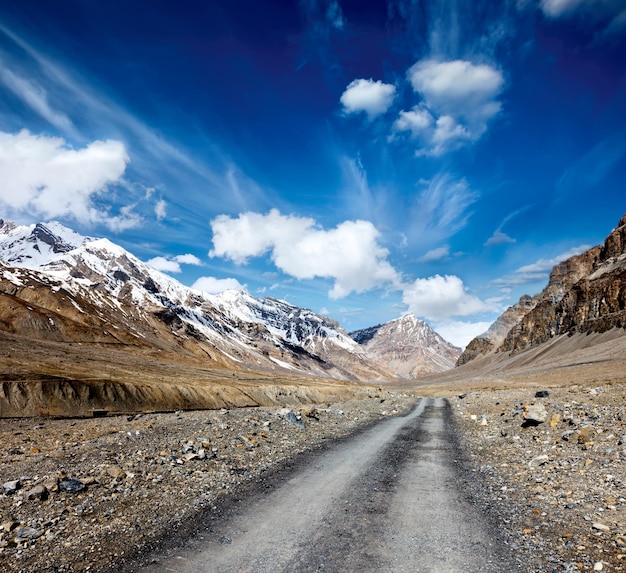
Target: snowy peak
[409, 345]
[232, 328]
[31, 246]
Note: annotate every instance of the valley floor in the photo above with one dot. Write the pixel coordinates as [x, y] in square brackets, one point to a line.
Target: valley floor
[92, 494]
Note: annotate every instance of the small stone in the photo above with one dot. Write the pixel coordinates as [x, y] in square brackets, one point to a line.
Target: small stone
[38, 492]
[534, 415]
[191, 456]
[11, 487]
[601, 527]
[23, 533]
[599, 566]
[621, 441]
[116, 472]
[538, 461]
[10, 525]
[586, 435]
[542, 394]
[72, 485]
[554, 420]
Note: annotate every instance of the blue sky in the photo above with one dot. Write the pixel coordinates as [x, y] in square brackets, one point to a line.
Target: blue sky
[362, 159]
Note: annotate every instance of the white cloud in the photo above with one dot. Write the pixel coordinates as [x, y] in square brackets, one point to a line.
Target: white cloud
[441, 209]
[498, 238]
[36, 98]
[437, 254]
[211, 285]
[459, 98]
[612, 13]
[164, 265]
[460, 333]
[188, 259]
[43, 176]
[438, 298]
[418, 121]
[372, 97]
[172, 264]
[350, 254]
[334, 15]
[160, 209]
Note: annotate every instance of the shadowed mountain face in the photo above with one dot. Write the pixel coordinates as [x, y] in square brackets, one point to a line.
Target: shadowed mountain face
[585, 294]
[409, 346]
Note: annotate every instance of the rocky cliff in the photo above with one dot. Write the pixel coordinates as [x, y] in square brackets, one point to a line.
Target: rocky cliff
[586, 293]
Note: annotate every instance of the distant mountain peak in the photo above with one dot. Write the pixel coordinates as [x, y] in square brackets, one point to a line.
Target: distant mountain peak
[409, 345]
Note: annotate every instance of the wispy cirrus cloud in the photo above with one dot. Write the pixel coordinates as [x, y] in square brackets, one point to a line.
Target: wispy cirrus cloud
[539, 270]
[441, 209]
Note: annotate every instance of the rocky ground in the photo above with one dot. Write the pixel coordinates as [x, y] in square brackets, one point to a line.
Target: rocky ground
[88, 494]
[553, 468]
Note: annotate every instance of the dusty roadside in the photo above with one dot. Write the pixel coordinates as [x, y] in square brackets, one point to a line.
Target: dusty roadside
[552, 464]
[86, 494]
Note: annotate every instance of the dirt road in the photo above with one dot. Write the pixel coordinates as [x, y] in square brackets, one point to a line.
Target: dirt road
[386, 500]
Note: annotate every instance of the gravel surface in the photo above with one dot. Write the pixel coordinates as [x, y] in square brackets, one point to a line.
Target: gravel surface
[89, 495]
[557, 485]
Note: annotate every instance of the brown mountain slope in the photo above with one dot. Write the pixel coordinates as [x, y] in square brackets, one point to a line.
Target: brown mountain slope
[586, 293]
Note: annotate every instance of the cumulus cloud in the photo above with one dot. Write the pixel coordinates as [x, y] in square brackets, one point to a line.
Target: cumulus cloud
[172, 264]
[211, 285]
[441, 297]
[349, 254]
[459, 98]
[369, 96]
[44, 176]
[165, 265]
[188, 259]
[160, 209]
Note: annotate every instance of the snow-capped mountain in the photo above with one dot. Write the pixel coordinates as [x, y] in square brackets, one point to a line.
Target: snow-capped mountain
[78, 277]
[409, 346]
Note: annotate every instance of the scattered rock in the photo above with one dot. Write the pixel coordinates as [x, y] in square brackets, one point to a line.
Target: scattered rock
[24, 533]
[72, 485]
[115, 472]
[38, 492]
[586, 435]
[11, 487]
[542, 394]
[534, 415]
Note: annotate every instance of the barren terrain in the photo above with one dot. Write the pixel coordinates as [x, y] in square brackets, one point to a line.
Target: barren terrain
[93, 494]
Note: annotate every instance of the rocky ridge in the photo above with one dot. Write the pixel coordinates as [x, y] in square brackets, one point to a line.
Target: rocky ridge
[409, 346]
[586, 293]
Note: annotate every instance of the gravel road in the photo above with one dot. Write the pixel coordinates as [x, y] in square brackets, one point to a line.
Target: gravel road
[384, 500]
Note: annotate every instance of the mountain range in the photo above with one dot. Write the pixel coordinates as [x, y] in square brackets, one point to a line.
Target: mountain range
[59, 287]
